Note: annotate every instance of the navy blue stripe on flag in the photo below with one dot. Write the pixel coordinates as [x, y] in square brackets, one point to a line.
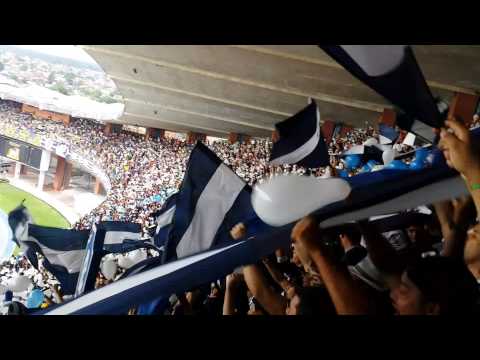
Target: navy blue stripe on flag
[68, 281]
[175, 277]
[201, 166]
[164, 220]
[390, 191]
[63, 251]
[121, 236]
[59, 239]
[301, 141]
[393, 72]
[91, 264]
[375, 188]
[388, 132]
[207, 179]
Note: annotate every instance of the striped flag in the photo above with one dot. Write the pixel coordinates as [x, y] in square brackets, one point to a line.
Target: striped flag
[164, 220]
[391, 191]
[301, 141]
[387, 134]
[63, 252]
[106, 237]
[393, 72]
[18, 220]
[153, 281]
[122, 237]
[212, 200]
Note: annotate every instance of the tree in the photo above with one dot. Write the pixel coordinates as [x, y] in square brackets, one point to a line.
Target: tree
[69, 77]
[60, 88]
[24, 67]
[107, 99]
[1, 66]
[51, 77]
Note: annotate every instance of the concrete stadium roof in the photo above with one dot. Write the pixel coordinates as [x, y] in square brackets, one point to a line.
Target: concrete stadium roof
[248, 88]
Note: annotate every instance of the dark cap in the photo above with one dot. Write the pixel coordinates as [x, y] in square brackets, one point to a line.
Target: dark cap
[445, 281]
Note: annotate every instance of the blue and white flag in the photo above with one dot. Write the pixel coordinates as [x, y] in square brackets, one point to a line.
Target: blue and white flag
[393, 72]
[107, 237]
[164, 220]
[301, 141]
[18, 220]
[121, 237]
[155, 281]
[391, 191]
[63, 252]
[388, 134]
[211, 201]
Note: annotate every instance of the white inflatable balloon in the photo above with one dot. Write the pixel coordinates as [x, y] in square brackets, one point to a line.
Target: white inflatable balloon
[19, 284]
[371, 142]
[125, 262]
[137, 255]
[388, 156]
[287, 198]
[109, 269]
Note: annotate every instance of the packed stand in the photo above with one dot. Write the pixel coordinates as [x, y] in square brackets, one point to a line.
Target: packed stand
[429, 264]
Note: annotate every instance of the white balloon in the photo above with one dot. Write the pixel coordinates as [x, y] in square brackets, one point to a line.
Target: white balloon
[125, 262]
[137, 255]
[287, 198]
[371, 142]
[109, 269]
[19, 284]
[388, 156]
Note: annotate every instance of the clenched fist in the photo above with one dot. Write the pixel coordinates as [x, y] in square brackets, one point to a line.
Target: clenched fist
[238, 231]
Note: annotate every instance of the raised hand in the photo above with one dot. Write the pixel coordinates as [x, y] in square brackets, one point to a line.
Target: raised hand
[459, 150]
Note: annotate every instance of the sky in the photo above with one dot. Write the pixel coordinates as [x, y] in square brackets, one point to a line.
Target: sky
[68, 51]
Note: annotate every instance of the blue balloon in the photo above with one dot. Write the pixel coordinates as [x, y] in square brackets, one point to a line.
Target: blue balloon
[421, 155]
[343, 173]
[365, 169]
[397, 165]
[372, 163]
[435, 158]
[416, 165]
[35, 299]
[353, 161]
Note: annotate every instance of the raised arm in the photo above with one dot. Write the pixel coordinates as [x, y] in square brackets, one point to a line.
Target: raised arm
[277, 275]
[453, 226]
[462, 154]
[347, 296]
[258, 285]
[232, 282]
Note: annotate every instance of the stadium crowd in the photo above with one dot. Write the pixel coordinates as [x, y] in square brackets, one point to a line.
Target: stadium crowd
[428, 264]
[140, 169]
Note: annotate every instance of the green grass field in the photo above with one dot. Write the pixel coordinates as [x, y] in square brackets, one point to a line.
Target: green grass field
[42, 213]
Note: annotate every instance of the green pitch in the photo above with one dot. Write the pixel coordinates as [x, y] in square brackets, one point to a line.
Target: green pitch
[42, 213]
